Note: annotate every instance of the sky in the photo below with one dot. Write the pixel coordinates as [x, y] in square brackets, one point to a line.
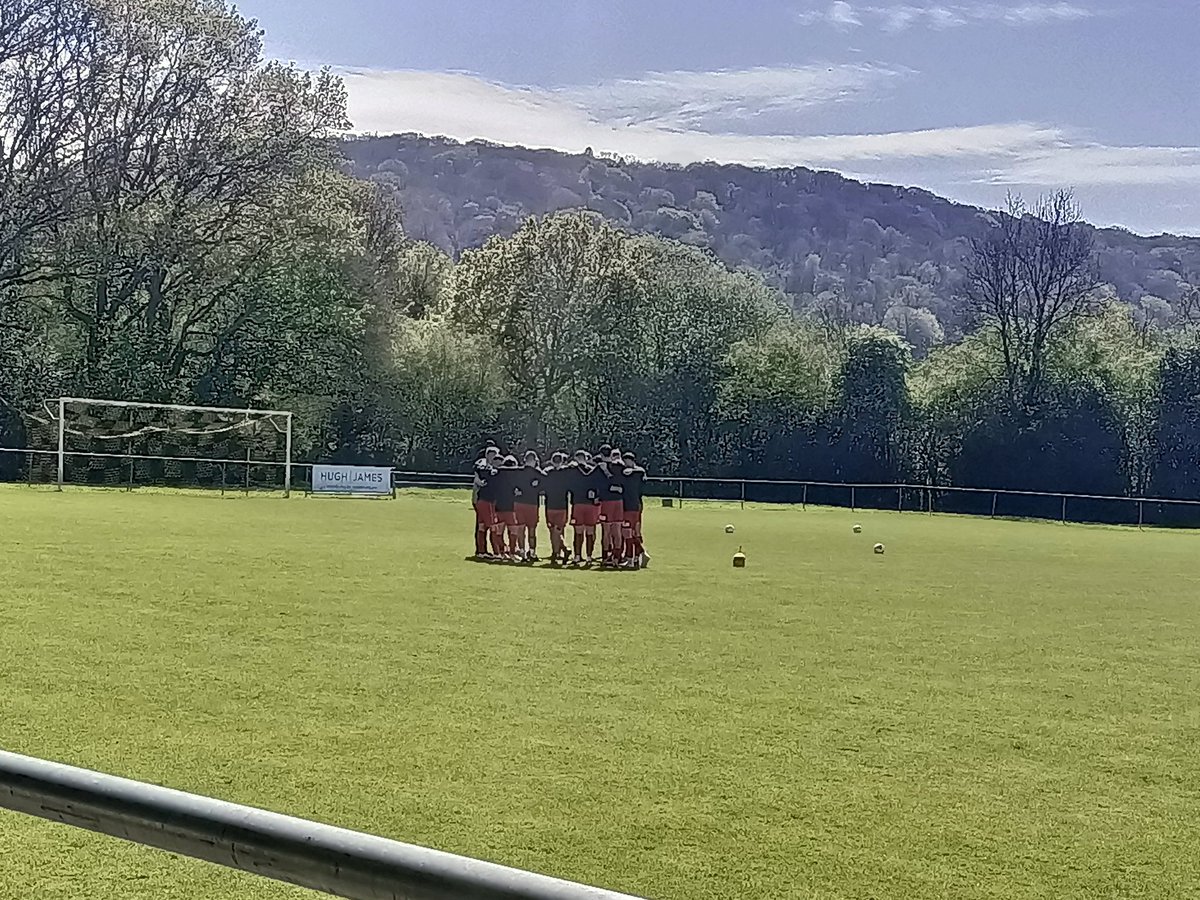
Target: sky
[967, 98]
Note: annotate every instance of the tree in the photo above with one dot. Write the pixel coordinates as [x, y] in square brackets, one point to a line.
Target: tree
[952, 391]
[1113, 356]
[777, 399]
[919, 327]
[45, 76]
[1177, 473]
[1029, 277]
[423, 279]
[192, 150]
[550, 298]
[874, 402]
[660, 389]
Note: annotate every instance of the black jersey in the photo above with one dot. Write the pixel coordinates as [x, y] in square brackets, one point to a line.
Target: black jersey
[556, 485]
[485, 485]
[635, 484]
[588, 483]
[527, 485]
[505, 481]
[613, 488]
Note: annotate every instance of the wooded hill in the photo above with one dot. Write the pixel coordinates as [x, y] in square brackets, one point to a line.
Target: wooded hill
[857, 250]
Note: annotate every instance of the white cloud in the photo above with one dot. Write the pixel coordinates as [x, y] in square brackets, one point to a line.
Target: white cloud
[1098, 164]
[842, 14]
[902, 16]
[465, 107]
[710, 101]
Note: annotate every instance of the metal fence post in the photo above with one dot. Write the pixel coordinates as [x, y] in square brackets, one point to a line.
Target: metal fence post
[743, 494]
[1141, 513]
[681, 493]
[804, 499]
[995, 494]
[900, 499]
[62, 435]
[1064, 511]
[853, 505]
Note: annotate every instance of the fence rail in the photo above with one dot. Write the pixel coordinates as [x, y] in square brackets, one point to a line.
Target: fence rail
[980, 501]
[319, 857]
[902, 497]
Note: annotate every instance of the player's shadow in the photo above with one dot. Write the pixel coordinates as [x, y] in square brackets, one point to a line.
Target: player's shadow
[543, 564]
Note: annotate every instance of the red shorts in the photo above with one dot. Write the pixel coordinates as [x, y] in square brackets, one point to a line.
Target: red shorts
[633, 519]
[585, 515]
[506, 518]
[612, 511]
[485, 513]
[556, 518]
[527, 515]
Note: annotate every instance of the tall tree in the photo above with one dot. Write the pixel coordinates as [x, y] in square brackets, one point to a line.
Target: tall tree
[46, 73]
[1177, 473]
[1030, 275]
[192, 147]
[549, 298]
[874, 402]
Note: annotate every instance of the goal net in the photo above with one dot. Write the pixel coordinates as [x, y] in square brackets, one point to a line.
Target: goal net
[116, 443]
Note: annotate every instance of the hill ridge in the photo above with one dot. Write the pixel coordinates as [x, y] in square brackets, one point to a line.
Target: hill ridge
[823, 238]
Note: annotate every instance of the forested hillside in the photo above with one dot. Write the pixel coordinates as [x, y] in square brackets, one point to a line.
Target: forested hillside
[856, 250]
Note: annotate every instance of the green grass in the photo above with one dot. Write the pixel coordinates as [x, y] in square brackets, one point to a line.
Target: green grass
[991, 709]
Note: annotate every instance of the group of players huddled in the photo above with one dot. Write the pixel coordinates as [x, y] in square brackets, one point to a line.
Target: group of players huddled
[601, 490]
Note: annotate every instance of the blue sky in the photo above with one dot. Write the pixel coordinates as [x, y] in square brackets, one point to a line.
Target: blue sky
[967, 98]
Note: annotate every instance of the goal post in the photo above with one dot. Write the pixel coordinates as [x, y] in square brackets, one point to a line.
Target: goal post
[126, 443]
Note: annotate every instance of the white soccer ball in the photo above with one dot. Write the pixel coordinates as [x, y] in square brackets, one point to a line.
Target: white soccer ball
[729, 529]
[858, 529]
[879, 548]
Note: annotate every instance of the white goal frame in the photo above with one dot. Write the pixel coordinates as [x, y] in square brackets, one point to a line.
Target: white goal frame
[286, 415]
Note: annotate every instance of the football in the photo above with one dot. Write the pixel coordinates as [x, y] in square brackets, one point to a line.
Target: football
[858, 529]
[729, 529]
[879, 548]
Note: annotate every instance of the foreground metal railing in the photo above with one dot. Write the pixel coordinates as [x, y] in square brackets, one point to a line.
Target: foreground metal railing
[320, 857]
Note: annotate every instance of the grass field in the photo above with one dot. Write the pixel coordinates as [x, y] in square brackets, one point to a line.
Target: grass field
[991, 709]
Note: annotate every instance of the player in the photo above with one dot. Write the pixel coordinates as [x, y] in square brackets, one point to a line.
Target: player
[635, 483]
[483, 498]
[506, 516]
[556, 487]
[612, 508]
[585, 505]
[527, 489]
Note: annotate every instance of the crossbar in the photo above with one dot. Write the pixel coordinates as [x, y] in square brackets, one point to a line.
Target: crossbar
[319, 857]
[177, 407]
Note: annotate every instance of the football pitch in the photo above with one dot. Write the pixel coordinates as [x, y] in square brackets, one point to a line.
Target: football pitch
[991, 709]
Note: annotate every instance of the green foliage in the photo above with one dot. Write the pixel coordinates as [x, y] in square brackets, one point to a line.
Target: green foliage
[553, 299]
[1176, 472]
[791, 371]
[873, 385]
